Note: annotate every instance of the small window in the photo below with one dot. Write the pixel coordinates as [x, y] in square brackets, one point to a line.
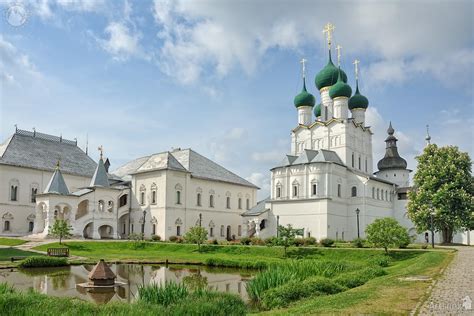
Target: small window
[14, 193]
[366, 165]
[227, 202]
[353, 160]
[314, 189]
[295, 191]
[222, 230]
[239, 230]
[178, 197]
[153, 197]
[178, 230]
[248, 204]
[278, 192]
[34, 191]
[131, 228]
[211, 231]
[101, 206]
[240, 203]
[211, 200]
[378, 194]
[373, 193]
[30, 226]
[339, 190]
[263, 224]
[142, 198]
[198, 199]
[6, 226]
[354, 191]
[360, 166]
[386, 195]
[153, 230]
[123, 200]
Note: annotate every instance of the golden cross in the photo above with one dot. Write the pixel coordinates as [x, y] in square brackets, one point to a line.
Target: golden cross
[58, 163]
[303, 64]
[328, 29]
[356, 64]
[101, 149]
[338, 48]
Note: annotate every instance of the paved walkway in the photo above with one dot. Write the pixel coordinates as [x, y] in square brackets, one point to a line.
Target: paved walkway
[453, 294]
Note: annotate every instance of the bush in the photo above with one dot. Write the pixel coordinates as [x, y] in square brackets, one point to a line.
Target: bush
[381, 261]
[327, 242]
[387, 232]
[176, 239]
[271, 241]
[245, 241]
[212, 242]
[257, 241]
[424, 246]
[358, 278]
[155, 238]
[358, 243]
[41, 262]
[217, 262]
[295, 290]
[310, 241]
[298, 242]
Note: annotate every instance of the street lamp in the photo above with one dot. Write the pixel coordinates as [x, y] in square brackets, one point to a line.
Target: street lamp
[200, 219]
[278, 225]
[432, 213]
[143, 225]
[358, 229]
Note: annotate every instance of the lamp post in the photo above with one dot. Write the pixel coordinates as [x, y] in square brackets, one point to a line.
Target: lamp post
[200, 220]
[278, 225]
[143, 225]
[358, 229]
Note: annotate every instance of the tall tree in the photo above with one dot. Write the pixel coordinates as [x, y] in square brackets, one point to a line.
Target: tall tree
[442, 190]
[387, 232]
[61, 229]
[286, 236]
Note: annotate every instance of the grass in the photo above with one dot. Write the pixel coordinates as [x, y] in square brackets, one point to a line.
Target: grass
[43, 262]
[7, 253]
[11, 241]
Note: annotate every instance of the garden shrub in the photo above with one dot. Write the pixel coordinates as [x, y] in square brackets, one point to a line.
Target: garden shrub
[173, 238]
[41, 262]
[271, 241]
[212, 242]
[310, 241]
[327, 242]
[257, 241]
[358, 243]
[298, 242]
[245, 241]
[155, 238]
[294, 290]
[381, 260]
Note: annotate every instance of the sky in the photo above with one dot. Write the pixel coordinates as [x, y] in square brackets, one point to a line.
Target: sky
[141, 77]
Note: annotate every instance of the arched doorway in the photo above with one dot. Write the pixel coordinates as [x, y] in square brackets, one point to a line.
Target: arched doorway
[229, 233]
[87, 232]
[106, 232]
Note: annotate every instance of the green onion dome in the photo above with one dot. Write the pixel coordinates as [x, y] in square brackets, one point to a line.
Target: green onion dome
[340, 88]
[317, 110]
[328, 75]
[304, 98]
[358, 101]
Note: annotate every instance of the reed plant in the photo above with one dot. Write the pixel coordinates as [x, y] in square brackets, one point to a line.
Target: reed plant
[163, 294]
[42, 262]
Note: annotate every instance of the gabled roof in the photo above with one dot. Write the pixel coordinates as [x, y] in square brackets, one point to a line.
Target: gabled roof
[310, 156]
[185, 160]
[257, 209]
[41, 151]
[57, 184]
[100, 178]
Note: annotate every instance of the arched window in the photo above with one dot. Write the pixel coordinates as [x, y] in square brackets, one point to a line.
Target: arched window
[263, 224]
[240, 203]
[314, 189]
[353, 163]
[198, 199]
[211, 200]
[373, 193]
[14, 193]
[178, 230]
[34, 191]
[295, 191]
[360, 166]
[378, 194]
[101, 206]
[110, 206]
[239, 230]
[248, 204]
[222, 231]
[153, 229]
[30, 226]
[178, 197]
[339, 188]
[6, 226]
[123, 200]
[386, 195]
[354, 191]
[142, 194]
[227, 202]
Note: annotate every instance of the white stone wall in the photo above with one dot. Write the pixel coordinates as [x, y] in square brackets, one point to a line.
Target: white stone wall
[305, 115]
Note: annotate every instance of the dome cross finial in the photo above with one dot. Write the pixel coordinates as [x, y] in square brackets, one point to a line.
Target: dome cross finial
[328, 30]
[338, 49]
[303, 67]
[101, 150]
[428, 137]
[356, 68]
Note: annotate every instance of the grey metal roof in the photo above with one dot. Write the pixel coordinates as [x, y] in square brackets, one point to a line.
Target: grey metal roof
[81, 192]
[392, 159]
[310, 156]
[57, 184]
[257, 209]
[100, 178]
[42, 151]
[185, 160]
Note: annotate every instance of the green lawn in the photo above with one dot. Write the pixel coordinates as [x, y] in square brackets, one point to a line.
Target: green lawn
[7, 253]
[383, 295]
[11, 241]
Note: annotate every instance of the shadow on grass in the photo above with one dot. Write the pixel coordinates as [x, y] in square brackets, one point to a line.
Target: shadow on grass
[403, 255]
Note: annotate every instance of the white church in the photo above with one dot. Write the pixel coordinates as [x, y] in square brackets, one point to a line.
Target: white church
[325, 186]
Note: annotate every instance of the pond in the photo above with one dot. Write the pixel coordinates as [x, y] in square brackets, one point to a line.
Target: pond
[62, 281]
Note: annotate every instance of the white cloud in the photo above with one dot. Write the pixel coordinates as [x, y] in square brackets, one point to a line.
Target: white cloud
[262, 181]
[121, 42]
[268, 156]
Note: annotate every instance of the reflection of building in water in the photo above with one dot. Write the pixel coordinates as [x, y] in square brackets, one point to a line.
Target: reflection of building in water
[61, 282]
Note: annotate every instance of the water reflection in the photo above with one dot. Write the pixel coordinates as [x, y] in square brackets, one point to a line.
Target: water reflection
[62, 281]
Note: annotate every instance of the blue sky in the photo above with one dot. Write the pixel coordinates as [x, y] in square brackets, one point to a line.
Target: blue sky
[140, 77]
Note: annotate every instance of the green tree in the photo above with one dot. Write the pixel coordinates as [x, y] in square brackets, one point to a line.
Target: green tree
[61, 229]
[387, 232]
[443, 189]
[286, 236]
[196, 235]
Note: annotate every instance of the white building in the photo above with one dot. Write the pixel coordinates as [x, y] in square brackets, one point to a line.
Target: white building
[325, 186]
[163, 194]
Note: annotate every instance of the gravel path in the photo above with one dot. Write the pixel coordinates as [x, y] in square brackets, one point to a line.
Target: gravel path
[453, 294]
